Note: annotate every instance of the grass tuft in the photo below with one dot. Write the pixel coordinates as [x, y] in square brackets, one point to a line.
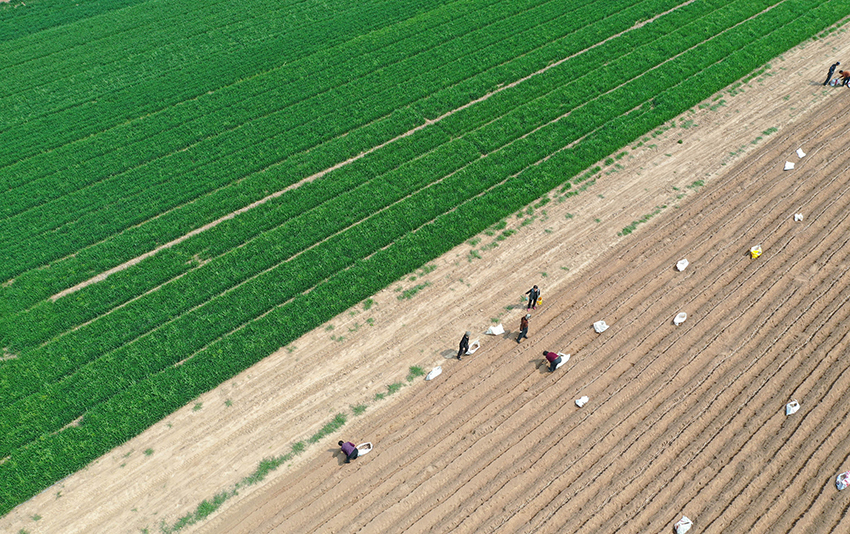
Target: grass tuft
[329, 428]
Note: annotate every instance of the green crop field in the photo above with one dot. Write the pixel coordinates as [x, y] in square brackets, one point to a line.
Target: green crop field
[128, 124]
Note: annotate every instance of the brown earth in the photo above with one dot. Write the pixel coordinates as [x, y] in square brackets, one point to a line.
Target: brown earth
[681, 420]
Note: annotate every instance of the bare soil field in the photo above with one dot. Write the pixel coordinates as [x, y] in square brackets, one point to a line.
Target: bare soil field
[681, 420]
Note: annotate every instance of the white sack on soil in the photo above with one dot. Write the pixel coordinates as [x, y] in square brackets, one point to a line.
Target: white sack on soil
[788, 166]
[683, 525]
[682, 265]
[600, 326]
[496, 330]
[680, 318]
[842, 480]
[792, 407]
[473, 347]
[434, 373]
[798, 217]
[800, 153]
[582, 401]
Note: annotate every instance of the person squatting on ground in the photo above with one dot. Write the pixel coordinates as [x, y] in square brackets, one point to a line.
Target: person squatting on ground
[349, 450]
[831, 70]
[523, 328]
[845, 76]
[553, 359]
[533, 295]
[464, 345]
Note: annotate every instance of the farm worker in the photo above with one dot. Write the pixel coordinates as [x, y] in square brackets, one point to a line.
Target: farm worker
[533, 295]
[831, 70]
[553, 359]
[464, 345]
[845, 76]
[349, 450]
[523, 328]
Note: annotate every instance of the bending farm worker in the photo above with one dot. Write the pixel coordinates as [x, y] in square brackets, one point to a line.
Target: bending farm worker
[831, 70]
[553, 359]
[349, 450]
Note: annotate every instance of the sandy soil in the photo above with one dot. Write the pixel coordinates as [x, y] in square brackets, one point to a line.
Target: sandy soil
[681, 420]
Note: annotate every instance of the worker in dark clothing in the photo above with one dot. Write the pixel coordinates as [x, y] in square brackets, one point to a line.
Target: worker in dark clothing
[845, 76]
[533, 295]
[553, 359]
[349, 450]
[523, 328]
[831, 70]
[464, 345]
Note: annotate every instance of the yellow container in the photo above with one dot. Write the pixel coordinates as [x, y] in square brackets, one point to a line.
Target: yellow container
[755, 252]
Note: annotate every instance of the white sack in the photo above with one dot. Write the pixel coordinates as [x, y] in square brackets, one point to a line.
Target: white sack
[792, 407]
[800, 153]
[496, 330]
[682, 265]
[582, 401]
[600, 326]
[473, 347]
[798, 217]
[364, 448]
[683, 525]
[564, 359]
[434, 373]
[680, 318]
[788, 166]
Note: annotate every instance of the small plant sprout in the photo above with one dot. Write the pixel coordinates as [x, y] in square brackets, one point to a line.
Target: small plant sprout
[413, 372]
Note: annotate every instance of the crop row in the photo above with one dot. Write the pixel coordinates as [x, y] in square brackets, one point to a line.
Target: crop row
[131, 363]
[308, 111]
[190, 34]
[173, 79]
[16, 23]
[71, 56]
[261, 118]
[251, 97]
[44, 321]
[38, 464]
[136, 35]
[143, 240]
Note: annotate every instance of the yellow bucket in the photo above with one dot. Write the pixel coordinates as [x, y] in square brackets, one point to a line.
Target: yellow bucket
[755, 252]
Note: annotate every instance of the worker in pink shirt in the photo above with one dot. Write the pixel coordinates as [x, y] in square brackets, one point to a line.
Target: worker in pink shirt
[349, 450]
[553, 359]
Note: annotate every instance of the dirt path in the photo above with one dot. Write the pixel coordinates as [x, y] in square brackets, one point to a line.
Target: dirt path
[680, 420]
